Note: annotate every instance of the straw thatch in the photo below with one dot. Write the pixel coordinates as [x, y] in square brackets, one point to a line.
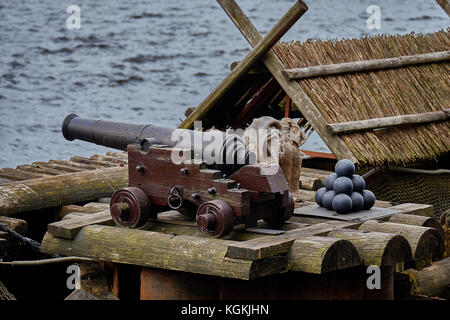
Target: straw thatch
[368, 95]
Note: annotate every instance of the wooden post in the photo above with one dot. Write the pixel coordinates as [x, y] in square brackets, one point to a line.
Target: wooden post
[366, 65]
[409, 119]
[292, 88]
[55, 191]
[261, 48]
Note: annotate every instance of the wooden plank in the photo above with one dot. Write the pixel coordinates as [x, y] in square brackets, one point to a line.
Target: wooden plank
[445, 5]
[67, 229]
[55, 191]
[292, 88]
[164, 251]
[259, 50]
[255, 250]
[70, 208]
[263, 247]
[415, 209]
[388, 122]
[114, 160]
[366, 65]
[13, 175]
[416, 220]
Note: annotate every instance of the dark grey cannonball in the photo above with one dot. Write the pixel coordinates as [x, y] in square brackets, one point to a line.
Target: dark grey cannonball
[357, 201]
[319, 195]
[343, 185]
[344, 168]
[358, 183]
[342, 203]
[327, 199]
[369, 199]
[330, 180]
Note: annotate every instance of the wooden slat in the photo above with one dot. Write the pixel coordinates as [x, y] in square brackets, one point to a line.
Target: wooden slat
[60, 167]
[73, 164]
[366, 65]
[292, 88]
[415, 209]
[43, 171]
[14, 175]
[260, 48]
[96, 163]
[388, 122]
[67, 229]
[114, 160]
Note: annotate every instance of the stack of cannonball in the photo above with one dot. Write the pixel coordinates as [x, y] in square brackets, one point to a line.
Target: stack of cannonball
[344, 190]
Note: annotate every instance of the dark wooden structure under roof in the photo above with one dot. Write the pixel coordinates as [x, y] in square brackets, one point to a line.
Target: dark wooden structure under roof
[400, 82]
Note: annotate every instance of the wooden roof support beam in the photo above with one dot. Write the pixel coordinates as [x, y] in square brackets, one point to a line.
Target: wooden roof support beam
[409, 119]
[445, 5]
[366, 65]
[291, 87]
[260, 49]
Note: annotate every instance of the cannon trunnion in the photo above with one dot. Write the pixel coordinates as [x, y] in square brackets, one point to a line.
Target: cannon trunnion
[156, 183]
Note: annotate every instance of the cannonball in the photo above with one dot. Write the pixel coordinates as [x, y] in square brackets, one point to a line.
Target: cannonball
[369, 199]
[357, 201]
[327, 199]
[342, 203]
[358, 183]
[319, 195]
[330, 180]
[344, 168]
[343, 185]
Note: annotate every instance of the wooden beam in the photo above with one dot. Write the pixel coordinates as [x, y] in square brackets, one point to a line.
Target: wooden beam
[395, 121]
[261, 48]
[445, 5]
[366, 65]
[55, 191]
[425, 210]
[292, 88]
[426, 243]
[164, 251]
[68, 228]
[377, 248]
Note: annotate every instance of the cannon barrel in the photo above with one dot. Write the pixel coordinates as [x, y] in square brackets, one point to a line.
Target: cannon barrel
[223, 151]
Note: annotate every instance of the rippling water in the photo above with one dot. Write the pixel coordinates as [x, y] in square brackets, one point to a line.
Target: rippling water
[145, 61]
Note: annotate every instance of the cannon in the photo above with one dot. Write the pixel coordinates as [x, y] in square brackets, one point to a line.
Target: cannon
[209, 176]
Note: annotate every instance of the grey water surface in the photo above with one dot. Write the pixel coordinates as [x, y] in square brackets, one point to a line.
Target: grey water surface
[146, 61]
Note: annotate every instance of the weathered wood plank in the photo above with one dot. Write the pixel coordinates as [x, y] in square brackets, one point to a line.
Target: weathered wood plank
[64, 168]
[259, 50]
[366, 65]
[292, 88]
[70, 208]
[153, 249]
[415, 220]
[55, 191]
[68, 228]
[387, 122]
[18, 225]
[91, 162]
[415, 209]
[73, 164]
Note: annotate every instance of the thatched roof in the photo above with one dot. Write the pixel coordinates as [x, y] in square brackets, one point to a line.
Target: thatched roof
[354, 96]
[383, 93]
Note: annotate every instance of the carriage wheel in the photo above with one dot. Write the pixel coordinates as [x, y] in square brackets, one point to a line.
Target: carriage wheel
[215, 218]
[130, 207]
